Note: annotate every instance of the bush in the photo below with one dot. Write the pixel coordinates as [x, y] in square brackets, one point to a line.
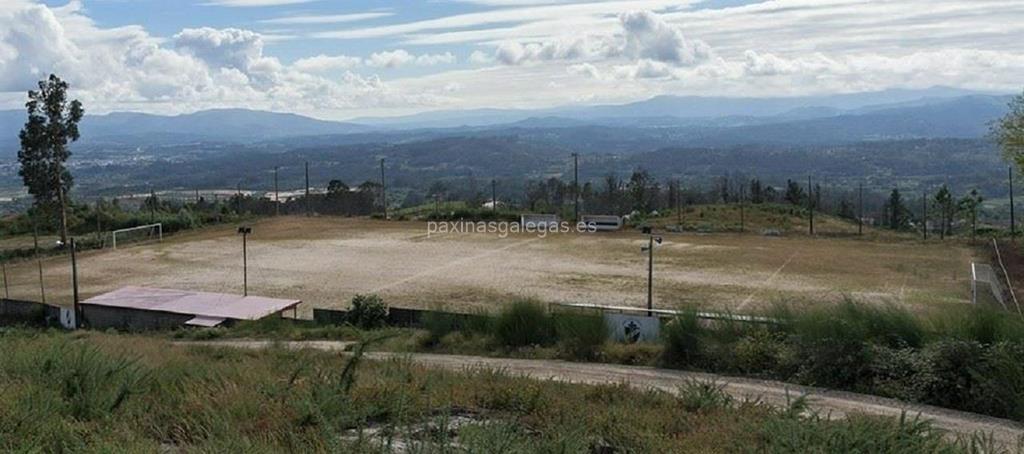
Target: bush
[704, 396]
[581, 336]
[980, 378]
[438, 325]
[759, 353]
[902, 373]
[368, 312]
[523, 323]
[681, 338]
[979, 324]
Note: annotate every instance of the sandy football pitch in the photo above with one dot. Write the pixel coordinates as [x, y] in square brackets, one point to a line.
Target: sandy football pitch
[325, 261]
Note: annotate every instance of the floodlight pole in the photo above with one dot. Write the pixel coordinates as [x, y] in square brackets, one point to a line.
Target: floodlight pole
[650, 274]
[74, 283]
[494, 195]
[576, 187]
[245, 231]
[383, 190]
[307, 188]
[651, 239]
[39, 261]
[277, 195]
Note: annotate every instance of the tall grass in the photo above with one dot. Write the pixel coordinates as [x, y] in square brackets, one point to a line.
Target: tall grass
[524, 323]
[580, 336]
[682, 340]
[205, 399]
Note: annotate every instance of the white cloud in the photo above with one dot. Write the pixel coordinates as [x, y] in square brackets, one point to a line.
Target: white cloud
[481, 58]
[525, 53]
[254, 3]
[648, 36]
[401, 57]
[327, 19]
[323, 63]
[643, 38]
[229, 47]
[198, 68]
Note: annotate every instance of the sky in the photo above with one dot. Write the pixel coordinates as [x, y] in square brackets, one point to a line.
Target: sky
[343, 59]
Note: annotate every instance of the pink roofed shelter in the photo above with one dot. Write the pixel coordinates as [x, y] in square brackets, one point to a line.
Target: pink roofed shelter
[154, 308]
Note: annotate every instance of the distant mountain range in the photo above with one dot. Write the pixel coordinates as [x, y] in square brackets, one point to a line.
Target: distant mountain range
[660, 121]
[232, 125]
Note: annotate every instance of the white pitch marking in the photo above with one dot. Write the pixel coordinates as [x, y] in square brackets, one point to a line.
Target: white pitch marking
[750, 297]
[448, 265]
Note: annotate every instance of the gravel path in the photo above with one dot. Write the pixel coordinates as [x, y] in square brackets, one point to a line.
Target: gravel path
[826, 402]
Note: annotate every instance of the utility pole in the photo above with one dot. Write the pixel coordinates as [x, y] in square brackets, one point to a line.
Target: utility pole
[277, 195]
[383, 190]
[742, 215]
[1013, 221]
[860, 209]
[494, 196]
[307, 189]
[74, 285]
[152, 206]
[99, 227]
[576, 187]
[810, 204]
[924, 216]
[679, 205]
[238, 197]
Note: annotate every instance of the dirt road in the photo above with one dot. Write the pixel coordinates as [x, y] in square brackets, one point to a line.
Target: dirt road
[826, 402]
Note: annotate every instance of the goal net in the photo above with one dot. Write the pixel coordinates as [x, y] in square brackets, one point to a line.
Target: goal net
[147, 232]
[986, 287]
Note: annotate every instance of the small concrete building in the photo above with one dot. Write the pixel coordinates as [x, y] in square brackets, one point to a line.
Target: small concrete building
[141, 308]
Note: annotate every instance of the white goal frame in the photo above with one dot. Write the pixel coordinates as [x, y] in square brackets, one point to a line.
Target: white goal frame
[159, 229]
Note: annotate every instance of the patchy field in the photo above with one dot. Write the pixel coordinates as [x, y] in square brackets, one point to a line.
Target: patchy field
[325, 261]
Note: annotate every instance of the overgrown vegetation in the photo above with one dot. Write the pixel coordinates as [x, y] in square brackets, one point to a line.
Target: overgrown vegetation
[103, 393]
[969, 360]
[368, 312]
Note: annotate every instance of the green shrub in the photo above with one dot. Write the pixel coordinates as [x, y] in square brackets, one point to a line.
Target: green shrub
[975, 377]
[979, 324]
[902, 373]
[523, 323]
[368, 312]
[704, 396]
[682, 340]
[581, 335]
[89, 383]
[438, 325]
[762, 352]
[853, 434]
[832, 343]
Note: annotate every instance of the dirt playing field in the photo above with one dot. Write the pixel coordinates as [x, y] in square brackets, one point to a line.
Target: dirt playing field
[325, 261]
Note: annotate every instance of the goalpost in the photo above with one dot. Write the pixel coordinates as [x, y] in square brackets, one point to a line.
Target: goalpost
[147, 232]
